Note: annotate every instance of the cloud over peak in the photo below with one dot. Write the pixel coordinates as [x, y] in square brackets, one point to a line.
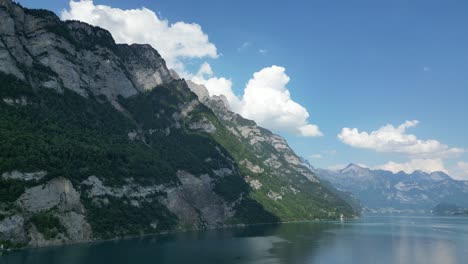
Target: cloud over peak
[395, 140]
[175, 41]
[425, 165]
[266, 100]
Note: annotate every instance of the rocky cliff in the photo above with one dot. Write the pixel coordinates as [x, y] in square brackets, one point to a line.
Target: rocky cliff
[100, 140]
[37, 47]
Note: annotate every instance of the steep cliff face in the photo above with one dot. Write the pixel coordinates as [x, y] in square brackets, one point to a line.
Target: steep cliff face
[272, 169]
[101, 140]
[37, 47]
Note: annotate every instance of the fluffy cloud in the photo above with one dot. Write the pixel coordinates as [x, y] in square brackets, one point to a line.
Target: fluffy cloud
[464, 166]
[460, 172]
[175, 42]
[395, 140]
[426, 165]
[266, 100]
[216, 85]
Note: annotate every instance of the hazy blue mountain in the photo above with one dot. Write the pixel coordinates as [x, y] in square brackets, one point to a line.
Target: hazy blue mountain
[384, 189]
[449, 209]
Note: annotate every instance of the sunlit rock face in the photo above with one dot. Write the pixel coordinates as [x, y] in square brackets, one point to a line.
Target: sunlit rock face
[36, 46]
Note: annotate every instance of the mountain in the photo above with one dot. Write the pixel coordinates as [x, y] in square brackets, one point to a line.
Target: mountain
[378, 189]
[101, 140]
[449, 209]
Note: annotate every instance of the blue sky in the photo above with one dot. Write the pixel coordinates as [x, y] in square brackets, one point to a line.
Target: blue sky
[358, 65]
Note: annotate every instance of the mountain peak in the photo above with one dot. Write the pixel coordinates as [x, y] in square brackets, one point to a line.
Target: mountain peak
[352, 166]
[355, 170]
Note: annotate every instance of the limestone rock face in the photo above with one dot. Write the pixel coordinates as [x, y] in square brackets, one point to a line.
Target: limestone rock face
[57, 197]
[199, 90]
[37, 47]
[195, 203]
[12, 228]
[24, 176]
[272, 149]
[203, 125]
[76, 225]
[57, 193]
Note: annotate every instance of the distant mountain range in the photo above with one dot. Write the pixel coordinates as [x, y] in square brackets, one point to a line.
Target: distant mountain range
[449, 209]
[377, 189]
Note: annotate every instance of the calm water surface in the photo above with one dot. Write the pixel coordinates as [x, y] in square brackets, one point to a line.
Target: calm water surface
[371, 239]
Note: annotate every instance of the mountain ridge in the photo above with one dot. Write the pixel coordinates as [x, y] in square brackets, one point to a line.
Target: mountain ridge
[102, 141]
[378, 189]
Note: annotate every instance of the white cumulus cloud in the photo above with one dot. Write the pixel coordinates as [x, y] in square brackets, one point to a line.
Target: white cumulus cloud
[175, 42]
[460, 172]
[464, 166]
[266, 100]
[216, 85]
[426, 165]
[395, 140]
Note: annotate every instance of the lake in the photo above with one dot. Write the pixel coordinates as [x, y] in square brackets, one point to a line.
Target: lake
[370, 239]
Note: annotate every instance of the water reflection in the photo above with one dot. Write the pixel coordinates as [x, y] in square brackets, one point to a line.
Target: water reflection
[368, 240]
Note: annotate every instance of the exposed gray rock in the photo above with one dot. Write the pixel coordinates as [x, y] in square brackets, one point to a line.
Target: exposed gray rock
[253, 168]
[12, 228]
[77, 228]
[274, 196]
[185, 109]
[254, 183]
[132, 135]
[222, 172]
[22, 101]
[57, 193]
[129, 190]
[203, 125]
[146, 67]
[222, 100]
[199, 90]
[195, 203]
[174, 74]
[17, 175]
[82, 58]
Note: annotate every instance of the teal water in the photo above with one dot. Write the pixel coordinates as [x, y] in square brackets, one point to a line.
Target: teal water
[370, 239]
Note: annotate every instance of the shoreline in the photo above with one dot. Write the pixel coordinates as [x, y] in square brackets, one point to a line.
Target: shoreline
[177, 231]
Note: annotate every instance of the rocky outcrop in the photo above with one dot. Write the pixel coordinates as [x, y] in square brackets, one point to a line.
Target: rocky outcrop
[199, 90]
[12, 229]
[203, 125]
[17, 175]
[272, 149]
[77, 228]
[196, 204]
[59, 198]
[132, 190]
[36, 46]
[57, 193]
